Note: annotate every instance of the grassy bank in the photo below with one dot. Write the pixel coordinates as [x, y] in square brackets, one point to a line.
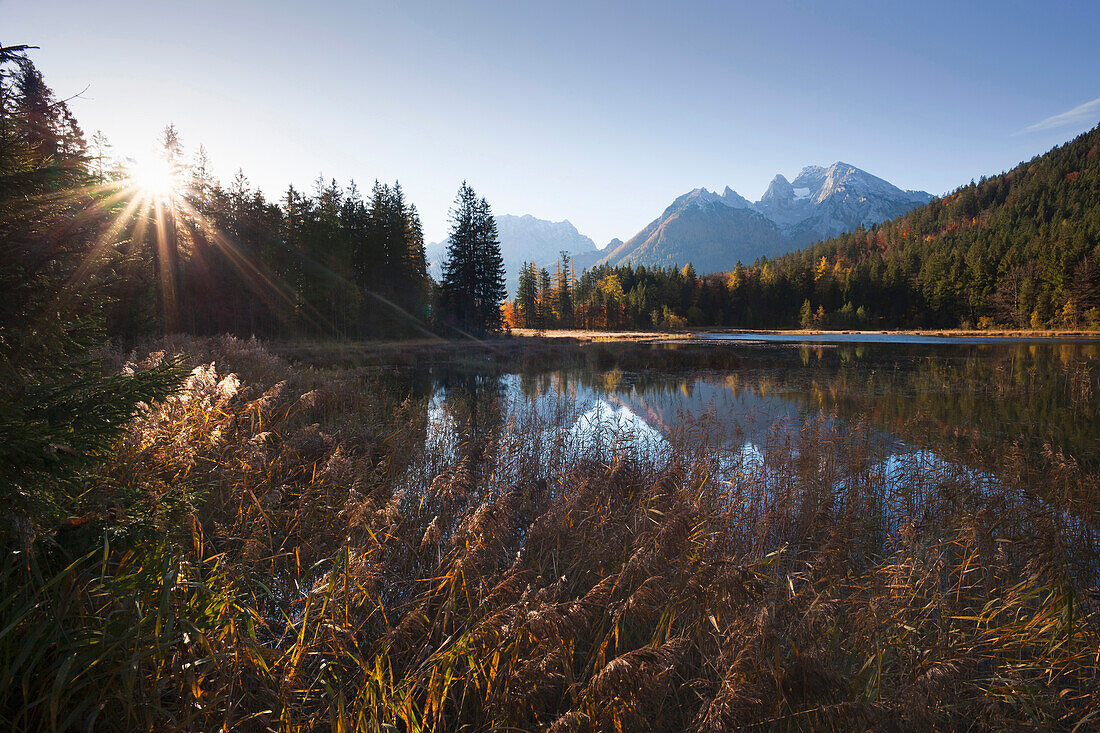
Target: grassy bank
[292, 547]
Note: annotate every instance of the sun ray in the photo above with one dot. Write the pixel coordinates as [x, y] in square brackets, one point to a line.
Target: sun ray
[76, 192]
[167, 266]
[152, 193]
[104, 241]
[156, 176]
[258, 279]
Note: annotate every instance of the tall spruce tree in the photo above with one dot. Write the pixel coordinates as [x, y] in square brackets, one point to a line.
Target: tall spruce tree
[473, 285]
[416, 290]
[546, 299]
[563, 290]
[527, 294]
[492, 286]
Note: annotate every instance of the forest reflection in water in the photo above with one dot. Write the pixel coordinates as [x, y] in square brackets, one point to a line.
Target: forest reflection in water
[904, 418]
[1033, 394]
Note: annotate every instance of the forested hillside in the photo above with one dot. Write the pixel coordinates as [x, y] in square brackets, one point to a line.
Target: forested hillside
[1019, 250]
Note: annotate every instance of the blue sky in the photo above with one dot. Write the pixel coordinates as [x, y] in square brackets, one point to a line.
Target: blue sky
[599, 112]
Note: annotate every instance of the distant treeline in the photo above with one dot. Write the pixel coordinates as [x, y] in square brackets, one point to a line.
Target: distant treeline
[327, 263]
[607, 297]
[85, 238]
[1021, 250]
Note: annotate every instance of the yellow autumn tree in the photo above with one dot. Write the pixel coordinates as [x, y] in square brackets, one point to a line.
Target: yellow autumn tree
[612, 296]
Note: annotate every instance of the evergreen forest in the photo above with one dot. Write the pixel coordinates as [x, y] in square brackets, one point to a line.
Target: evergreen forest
[201, 256]
[1017, 250]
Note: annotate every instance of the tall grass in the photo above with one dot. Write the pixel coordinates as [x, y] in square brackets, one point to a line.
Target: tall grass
[281, 548]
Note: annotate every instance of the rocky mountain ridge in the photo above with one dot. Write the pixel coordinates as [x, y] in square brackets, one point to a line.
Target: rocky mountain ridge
[714, 230]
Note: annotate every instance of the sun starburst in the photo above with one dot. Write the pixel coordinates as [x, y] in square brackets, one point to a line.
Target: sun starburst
[154, 176]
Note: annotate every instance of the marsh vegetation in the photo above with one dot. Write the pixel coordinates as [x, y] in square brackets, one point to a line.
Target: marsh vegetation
[430, 544]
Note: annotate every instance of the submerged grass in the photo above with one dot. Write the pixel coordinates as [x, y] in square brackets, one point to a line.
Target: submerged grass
[283, 548]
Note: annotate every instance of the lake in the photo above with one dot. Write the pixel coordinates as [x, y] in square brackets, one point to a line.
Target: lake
[921, 412]
[932, 394]
[1018, 422]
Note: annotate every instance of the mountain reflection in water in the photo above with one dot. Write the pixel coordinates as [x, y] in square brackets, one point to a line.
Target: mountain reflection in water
[922, 411]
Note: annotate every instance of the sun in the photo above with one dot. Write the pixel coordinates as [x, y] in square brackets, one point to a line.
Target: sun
[154, 176]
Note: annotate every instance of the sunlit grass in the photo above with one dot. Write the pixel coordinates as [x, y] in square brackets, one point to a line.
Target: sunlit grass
[292, 549]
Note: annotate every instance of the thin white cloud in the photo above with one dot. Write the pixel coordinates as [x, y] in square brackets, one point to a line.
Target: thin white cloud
[1079, 113]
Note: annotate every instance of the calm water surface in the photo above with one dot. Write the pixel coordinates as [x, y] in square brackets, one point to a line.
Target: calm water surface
[885, 338]
[944, 396]
[1016, 422]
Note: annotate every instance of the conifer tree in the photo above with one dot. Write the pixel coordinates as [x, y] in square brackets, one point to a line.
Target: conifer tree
[492, 287]
[563, 291]
[58, 410]
[473, 286]
[417, 286]
[459, 286]
[527, 293]
[806, 315]
[546, 299]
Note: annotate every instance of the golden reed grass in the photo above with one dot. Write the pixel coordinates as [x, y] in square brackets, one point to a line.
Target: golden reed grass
[281, 548]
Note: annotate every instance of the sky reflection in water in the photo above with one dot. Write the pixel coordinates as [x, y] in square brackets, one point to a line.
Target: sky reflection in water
[924, 414]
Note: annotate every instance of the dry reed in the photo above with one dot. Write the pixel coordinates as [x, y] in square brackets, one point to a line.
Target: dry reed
[283, 548]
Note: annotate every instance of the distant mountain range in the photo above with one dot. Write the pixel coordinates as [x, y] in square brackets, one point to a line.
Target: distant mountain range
[1020, 249]
[714, 231]
[710, 231]
[527, 239]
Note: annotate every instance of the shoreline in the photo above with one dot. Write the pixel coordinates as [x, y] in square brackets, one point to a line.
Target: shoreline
[590, 335]
[368, 351]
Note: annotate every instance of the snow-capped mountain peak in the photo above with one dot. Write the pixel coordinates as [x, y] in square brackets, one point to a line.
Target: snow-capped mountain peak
[782, 204]
[810, 177]
[779, 190]
[819, 203]
[843, 197]
[735, 200]
[703, 197]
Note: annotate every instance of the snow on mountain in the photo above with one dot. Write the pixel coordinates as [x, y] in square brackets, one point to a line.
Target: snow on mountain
[524, 239]
[735, 200]
[699, 226]
[782, 205]
[538, 240]
[714, 230]
[841, 198]
[704, 228]
[811, 177]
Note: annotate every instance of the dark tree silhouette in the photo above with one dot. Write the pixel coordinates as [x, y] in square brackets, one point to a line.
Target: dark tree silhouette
[473, 287]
